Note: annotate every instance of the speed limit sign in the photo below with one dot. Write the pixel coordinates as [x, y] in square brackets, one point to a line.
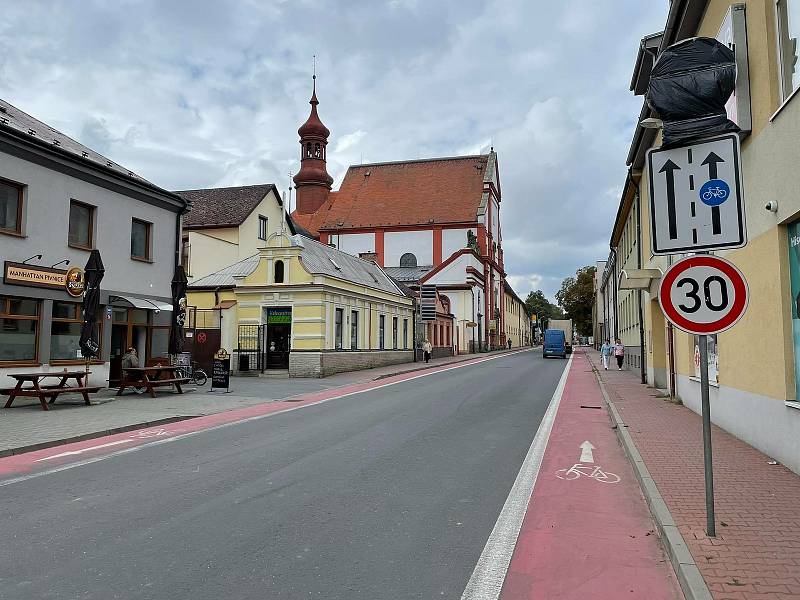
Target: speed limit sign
[703, 294]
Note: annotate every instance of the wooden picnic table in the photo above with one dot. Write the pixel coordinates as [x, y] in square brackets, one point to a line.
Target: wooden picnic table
[50, 391]
[151, 378]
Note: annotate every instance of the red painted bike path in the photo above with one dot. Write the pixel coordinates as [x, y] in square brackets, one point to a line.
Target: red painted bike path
[587, 532]
[47, 459]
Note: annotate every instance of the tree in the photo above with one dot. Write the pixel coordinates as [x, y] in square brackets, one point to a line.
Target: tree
[576, 297]
[540, 306]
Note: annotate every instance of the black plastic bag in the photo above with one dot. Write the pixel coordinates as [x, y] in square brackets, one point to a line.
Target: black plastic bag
[689, 85]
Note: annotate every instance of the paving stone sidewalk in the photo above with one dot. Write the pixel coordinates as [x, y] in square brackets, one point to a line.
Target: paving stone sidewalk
[25, 427]
[756, 554]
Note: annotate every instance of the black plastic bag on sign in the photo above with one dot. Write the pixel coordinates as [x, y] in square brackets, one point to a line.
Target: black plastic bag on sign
[690, 83]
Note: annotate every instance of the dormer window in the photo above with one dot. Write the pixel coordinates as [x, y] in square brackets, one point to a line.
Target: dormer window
[408, 260]
[278, 271]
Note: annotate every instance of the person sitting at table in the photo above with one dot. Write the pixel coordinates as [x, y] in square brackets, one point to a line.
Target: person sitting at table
[130, 360]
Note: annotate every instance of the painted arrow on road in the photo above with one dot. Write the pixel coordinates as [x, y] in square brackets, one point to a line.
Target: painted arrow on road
[586, 452]
[82, 450]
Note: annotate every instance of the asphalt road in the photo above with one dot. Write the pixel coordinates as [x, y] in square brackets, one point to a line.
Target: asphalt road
[390, 493]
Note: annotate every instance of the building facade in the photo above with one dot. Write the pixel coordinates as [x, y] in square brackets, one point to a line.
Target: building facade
[440, 215]
[755, 366]
[518, 326]
[226, 225]
[58, 201]
[308, 309]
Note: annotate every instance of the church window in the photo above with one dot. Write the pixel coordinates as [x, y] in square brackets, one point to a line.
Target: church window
[278, 271]
[308, 149]
[408, 260]
[317, 151]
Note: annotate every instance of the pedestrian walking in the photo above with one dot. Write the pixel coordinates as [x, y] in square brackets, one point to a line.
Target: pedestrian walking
[509, 344]
[605, 353]
[619, 352]
[426, 350]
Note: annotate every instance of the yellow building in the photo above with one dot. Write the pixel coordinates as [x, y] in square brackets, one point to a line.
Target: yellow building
[753, 366]
[305, 308]
[226, 225]
[517, 322]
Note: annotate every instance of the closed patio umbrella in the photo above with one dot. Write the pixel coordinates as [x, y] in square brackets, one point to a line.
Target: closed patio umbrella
[93, 275]
[176, 331]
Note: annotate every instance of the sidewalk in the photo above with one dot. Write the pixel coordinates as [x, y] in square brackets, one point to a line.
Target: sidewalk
[25, 427]
[756, 554]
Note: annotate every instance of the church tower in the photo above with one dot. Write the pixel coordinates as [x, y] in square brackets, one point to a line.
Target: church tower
[312, 182]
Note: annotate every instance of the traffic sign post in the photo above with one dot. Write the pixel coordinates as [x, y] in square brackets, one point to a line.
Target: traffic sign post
[704, 295]
[696, 197]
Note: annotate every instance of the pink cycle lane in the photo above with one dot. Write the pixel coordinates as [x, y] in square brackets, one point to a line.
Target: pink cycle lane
[587, 532]
[57, 457]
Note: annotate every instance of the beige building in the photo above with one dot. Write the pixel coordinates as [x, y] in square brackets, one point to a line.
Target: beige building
[517, 322]
[226, 225]
[753, 366]
[307, 309]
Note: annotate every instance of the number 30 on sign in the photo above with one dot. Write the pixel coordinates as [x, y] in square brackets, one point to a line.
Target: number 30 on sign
[703, 294]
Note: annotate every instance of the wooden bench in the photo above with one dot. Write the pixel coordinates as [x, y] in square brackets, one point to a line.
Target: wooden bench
[43, 392]
[151, 378]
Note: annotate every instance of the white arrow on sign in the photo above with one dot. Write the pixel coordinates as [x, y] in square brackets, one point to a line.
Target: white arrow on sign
[586, 452]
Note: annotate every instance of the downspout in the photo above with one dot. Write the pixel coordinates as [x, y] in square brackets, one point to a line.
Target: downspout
[643, 359]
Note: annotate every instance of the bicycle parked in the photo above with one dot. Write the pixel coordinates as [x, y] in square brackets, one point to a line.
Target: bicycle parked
[194, 373]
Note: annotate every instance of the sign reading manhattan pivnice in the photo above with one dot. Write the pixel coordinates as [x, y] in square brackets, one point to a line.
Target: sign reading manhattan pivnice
[696, 197]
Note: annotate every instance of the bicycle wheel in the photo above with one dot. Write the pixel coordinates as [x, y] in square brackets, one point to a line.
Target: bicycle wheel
[200, 377]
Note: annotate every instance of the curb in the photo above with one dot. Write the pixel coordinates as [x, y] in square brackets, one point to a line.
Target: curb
[93, 435]
[691, 581]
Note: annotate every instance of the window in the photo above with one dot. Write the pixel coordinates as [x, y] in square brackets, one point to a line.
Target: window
[65, 331]
[394, 333]
[19, 329]
[408, 260]
[278, 271]
[81, 225]
[262, 227]
[788, 13]
[405, 334]
[140, 240]
[10, 207]
[382, 332]
[338, 327]
[354, 330]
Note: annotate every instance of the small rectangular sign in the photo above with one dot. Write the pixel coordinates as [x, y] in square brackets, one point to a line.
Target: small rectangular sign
[279, 316]
[221, 373]
[33, 275]
[696, 197]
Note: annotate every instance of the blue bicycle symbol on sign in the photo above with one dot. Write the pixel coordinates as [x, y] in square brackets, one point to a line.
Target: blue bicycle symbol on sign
[714, 192]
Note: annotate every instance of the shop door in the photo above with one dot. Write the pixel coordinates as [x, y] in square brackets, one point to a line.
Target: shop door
[205, 344]
[278, 346]
[119, 343]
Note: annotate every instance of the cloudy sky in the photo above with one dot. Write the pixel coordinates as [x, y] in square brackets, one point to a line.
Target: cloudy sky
[203, 93]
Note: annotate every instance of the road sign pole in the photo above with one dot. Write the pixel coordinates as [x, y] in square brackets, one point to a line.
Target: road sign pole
[711, 529]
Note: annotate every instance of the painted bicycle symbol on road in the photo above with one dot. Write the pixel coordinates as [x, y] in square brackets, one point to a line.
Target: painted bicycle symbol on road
[592, 472]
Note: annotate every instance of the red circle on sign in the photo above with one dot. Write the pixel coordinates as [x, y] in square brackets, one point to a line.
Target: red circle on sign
[729, 319]
[201, 338]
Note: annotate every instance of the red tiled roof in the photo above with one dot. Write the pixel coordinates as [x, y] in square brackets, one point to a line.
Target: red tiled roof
[447, 190]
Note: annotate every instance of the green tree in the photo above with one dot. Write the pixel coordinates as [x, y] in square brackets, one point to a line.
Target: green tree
[576, 297]
[540, 306]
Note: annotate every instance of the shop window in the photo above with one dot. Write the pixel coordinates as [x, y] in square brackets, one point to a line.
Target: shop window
[405, 334]
[81, 225]
[140, 240]
[382, 332]
[338, 326]
[788, 12]
[19, 329]
[394, 333]
[354, 330]
[65, 331]
[10, 207]
[262, 227]
[278, 271]
[408, 260]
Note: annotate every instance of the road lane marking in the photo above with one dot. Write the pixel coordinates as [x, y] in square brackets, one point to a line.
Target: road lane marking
[487, 579]
[94, 459]
[82, 450]
[577, 470]
[586, 452]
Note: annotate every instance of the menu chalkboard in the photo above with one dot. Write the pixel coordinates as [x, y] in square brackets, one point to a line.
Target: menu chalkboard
[221, 373]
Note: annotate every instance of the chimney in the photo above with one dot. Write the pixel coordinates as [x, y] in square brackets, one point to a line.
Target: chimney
[370, 256]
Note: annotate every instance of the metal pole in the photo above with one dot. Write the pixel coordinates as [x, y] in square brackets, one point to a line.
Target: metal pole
[711, 529]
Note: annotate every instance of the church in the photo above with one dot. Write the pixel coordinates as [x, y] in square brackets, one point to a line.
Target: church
[425, 222]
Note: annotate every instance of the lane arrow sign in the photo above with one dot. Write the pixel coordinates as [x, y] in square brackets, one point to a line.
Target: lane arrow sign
[669, 168]
[712, 160]
[586, 452]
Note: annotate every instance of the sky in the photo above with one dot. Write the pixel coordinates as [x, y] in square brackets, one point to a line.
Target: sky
[206, 93]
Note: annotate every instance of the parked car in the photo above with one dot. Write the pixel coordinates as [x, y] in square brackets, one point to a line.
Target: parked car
[554, 343]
